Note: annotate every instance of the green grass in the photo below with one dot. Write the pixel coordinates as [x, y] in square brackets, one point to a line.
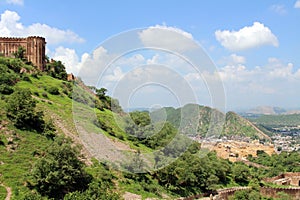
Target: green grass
[2, 192]
[17, 163]
[146, 190]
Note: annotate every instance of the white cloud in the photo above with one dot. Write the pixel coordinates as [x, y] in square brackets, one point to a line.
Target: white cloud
[169, 38]
[95, 66]
[152, 81]
[276, 69]
[246, 38]
[235, 59]
[275, 83]
[297, 4]
[271, 72]
[280, 9]
[15, 2]
[116, 75]
[69, 58]
[10, 26]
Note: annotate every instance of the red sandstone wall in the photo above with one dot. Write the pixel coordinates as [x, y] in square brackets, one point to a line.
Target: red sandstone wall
[273, 192]
[293, 176]
[34, 46]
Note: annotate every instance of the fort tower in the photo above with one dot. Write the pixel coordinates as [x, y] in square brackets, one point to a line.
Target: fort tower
[34, 49]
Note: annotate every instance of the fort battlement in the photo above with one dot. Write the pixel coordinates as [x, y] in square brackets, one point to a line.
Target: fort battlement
[34, 49]
[294, 192]
[287, 178]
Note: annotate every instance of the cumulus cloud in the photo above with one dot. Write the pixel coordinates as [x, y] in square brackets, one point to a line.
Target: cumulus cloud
[297, 4]
[68, 57]
[246, 38]
[15, 2]
[234, 59]
[169, 38]
[10, 26]
[275, 83]
[274, 70]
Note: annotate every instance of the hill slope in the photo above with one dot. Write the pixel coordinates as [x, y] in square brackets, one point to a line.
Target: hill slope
[205, 121]
[25, 150]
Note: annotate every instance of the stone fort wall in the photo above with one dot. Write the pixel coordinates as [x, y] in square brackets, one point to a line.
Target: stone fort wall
[34, 49]
[294, 178]
[294, 193]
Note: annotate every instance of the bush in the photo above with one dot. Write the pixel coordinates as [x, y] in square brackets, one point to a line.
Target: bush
[53, 90]
[49, 130]
[20, 110]
[59, 171]
[26, 78]
[5, 89]
[45, 95]
[36, 93]
[35, 75]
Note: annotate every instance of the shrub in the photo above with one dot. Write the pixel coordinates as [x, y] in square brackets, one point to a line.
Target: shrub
[60, 171]
[5, 89]
[21, 110]
[44, 94]
[36, 93]
[35, 75]
[53, 90]
[26, 78]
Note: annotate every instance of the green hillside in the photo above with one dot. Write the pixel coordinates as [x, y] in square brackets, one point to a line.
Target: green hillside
[44, 153]
[278, 120]
[211, 122]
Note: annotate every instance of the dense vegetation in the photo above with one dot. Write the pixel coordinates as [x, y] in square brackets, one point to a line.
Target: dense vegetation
[38, 162]
[278, 163]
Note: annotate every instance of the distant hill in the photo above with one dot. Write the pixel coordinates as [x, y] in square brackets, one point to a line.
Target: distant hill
[266, 110]
[278, 120]
[211, 122]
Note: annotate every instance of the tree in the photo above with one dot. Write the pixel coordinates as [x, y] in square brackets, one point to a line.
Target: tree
[246, 195]
[137, 164]
[140, 118]
[60, 171]
[105, 101]
[101, 93]
[20, 110]
[20, 53]
[241, 174]
[56, 69]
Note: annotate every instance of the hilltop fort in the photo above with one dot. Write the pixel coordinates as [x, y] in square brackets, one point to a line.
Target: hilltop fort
[34, 49]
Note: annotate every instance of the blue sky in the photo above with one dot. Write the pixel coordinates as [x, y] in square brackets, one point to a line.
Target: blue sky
[254, 44]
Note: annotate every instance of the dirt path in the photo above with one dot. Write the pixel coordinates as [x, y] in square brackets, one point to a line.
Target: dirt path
[94, 144]
[59, 123]
[8, 192]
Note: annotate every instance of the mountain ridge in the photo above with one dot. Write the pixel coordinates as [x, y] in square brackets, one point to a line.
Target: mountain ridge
[210, 121]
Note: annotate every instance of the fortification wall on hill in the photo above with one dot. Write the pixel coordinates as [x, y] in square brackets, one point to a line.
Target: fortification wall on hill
[294, 193]
[293, 177]
[34, 49]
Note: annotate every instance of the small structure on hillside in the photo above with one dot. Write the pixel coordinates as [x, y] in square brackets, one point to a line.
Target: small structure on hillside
[71, 77]
[288, 178]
